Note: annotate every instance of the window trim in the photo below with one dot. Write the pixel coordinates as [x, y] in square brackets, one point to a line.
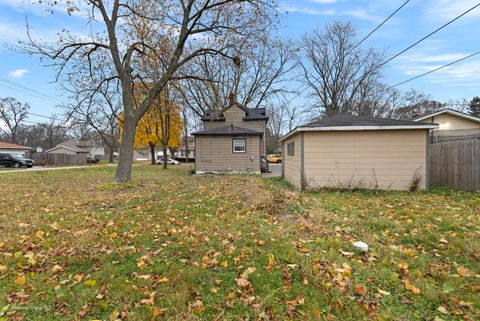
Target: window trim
[291, 152]
[244, 145]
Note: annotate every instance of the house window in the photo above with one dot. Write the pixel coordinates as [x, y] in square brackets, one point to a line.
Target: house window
[239, 146]
[291, 149]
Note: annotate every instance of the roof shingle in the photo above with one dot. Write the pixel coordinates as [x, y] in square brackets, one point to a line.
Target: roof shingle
[229, 130]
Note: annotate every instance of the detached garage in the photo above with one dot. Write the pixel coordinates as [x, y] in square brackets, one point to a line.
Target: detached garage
[357, 152]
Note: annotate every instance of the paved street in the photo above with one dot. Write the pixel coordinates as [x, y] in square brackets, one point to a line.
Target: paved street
[275, 170]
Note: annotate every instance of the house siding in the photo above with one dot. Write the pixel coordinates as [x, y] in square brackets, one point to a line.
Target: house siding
[214, 154]
[451, 125]
[292, 165]
[234, 115]
[386, 159]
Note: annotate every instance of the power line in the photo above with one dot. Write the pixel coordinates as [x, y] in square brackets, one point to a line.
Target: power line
[429, 35]
[380, 25]
[436, 69]
[27, 90]
[48, 117]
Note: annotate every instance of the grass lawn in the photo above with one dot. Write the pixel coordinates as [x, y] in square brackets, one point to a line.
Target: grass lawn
[172, 246]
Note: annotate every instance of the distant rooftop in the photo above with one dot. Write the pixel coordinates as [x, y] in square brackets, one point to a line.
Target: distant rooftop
[5, 145]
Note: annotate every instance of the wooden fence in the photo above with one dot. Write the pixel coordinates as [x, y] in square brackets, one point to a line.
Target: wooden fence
[58, 159]
[456, 164]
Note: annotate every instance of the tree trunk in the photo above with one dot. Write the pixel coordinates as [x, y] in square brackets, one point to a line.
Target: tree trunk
[124, 168]
[186, 150]
[164, 156]
[152, 153]
[110, 154]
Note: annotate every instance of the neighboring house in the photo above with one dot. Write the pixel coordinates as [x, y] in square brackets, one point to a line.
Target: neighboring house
[144, 154]
[14, 150]
[181, 154]
[357, 152]
[233, 140]
[452, 123]
[73, 147]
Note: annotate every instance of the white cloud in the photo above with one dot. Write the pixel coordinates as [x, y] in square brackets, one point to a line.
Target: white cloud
[18, 73]
[449, 9]
[461, 74]
[362, 14]
[307, 10]
[424, 58]
[324, 1]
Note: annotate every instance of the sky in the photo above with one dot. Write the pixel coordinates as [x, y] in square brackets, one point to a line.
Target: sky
[415, 20]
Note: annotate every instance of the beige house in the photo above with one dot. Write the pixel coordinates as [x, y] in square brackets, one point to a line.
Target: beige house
[233, 140]
[452, 123]
[73, 147]
[350, 152]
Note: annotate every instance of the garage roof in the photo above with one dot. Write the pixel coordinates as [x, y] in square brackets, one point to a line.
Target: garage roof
[4, 145]
[359, 123]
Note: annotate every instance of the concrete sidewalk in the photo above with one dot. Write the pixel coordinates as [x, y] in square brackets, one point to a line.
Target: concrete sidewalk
[38, 169]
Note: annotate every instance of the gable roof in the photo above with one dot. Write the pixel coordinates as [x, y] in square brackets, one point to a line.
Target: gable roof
[250, 113]
[448, 111]
[359, 123]
[72, 148]
[230, 130]
[5, 145]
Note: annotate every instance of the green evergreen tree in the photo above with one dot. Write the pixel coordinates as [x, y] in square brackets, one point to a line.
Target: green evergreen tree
[474, 107]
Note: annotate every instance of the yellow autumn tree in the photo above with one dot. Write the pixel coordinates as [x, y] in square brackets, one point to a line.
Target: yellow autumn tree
[161, 126]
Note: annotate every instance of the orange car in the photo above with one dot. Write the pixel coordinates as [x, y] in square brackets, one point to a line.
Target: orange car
[277, 159]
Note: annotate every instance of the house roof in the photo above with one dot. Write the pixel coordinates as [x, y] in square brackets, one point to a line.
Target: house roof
[447, 111]
[359, 123]
[229, 130]
[4, 145]
[72, 148]
[250, 113]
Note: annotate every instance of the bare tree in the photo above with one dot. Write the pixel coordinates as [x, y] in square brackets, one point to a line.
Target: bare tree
[283, 118]
[256, 76]
[13, 113]
[194, 27]
[98, 108]
[341, 77]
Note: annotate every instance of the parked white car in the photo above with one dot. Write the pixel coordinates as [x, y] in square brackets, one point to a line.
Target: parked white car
[170, 161]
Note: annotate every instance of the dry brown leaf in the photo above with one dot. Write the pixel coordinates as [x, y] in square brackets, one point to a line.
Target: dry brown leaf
[463, 271]
[361, 289]
[410, 287]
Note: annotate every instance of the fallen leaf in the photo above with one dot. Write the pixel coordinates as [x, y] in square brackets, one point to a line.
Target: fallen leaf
[382, 292]
[410, 287]
[361, 289]
[20, 280]
[463, 271]
[39, 234]
[442, 309]
[162, 280]
[347, 254]
[90, 282]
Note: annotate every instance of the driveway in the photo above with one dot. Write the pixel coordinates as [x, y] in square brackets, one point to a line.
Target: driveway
[39, 168]
[275, 170]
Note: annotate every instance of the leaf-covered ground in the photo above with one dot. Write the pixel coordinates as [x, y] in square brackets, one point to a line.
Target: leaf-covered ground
[172, 246]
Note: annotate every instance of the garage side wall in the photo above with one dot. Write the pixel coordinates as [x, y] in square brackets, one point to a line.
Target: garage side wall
[214, 154]
[292, 164]
[380, 159]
